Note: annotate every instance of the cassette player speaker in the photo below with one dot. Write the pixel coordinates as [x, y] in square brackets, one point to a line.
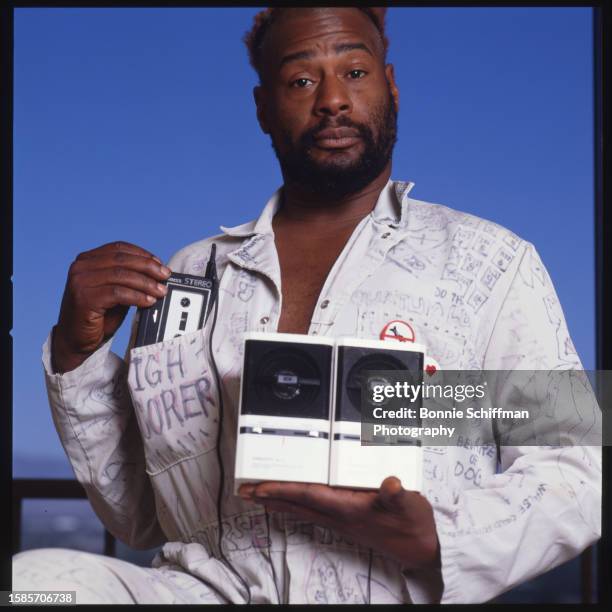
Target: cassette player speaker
[353, 365]
[286, 379]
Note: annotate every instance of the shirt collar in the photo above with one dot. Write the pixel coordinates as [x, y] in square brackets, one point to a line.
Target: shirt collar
[391, 208]
[392, 205]
[261, 225]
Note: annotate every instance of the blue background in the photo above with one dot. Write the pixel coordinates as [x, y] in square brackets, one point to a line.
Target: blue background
[139, 124]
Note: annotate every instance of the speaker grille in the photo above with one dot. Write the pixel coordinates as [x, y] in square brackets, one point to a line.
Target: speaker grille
[286, 379]
[353, 365]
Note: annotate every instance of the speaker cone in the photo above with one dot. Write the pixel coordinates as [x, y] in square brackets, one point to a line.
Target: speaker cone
[287, 375]
[358, 374]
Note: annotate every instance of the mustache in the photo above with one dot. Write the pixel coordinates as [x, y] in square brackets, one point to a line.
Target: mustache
[308, 137]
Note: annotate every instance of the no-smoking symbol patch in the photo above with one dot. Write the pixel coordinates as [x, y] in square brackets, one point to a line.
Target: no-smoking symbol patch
[397, 330]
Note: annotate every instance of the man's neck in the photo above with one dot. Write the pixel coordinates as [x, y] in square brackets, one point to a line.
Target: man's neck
[315, 212]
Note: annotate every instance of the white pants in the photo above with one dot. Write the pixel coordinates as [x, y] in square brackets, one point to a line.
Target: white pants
[98, 579]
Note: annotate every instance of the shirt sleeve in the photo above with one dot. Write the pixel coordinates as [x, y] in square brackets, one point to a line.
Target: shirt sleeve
[96, 424]
[544, 506]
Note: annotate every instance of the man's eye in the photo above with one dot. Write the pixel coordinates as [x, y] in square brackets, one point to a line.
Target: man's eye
[303, 82]
[357, 74]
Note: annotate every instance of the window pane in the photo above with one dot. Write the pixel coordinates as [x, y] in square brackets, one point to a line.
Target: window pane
[138, 557]
[60, 523]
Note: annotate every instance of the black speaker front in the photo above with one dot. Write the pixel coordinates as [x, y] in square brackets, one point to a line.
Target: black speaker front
[288, 379]
[355, 364]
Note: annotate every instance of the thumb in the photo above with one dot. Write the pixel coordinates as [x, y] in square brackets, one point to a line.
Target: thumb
[391, 493]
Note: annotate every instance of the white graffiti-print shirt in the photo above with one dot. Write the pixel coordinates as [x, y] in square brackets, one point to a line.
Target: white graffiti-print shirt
[140, 433]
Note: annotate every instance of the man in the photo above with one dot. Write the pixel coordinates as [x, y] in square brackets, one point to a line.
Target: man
[340, 249]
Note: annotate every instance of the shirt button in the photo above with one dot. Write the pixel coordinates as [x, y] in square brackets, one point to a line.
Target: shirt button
[386, 235]
[324, 303]
[264, 320]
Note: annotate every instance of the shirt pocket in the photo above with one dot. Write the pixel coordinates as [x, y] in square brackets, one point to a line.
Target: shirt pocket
[173, 390]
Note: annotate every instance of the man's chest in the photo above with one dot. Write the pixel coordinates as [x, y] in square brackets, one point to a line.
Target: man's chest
[351, 301]
[304, 267]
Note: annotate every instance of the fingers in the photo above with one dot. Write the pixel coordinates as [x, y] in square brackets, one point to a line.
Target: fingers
[314, 496]
[246, 491]
[118, 246]
[126, 273]
[249, 492]
[108, 296]
[390, 492]
[323, 499]
[121, 259]
[123, 277]
[391, 486]
[100, 280]
[392, 496]
[303, 513]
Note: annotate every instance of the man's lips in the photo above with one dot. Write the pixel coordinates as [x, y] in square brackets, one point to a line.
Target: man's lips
[337, 138]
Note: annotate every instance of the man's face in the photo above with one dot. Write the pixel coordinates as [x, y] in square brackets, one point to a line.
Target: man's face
[327, 100]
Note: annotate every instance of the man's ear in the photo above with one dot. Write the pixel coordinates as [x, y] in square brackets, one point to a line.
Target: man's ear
[259, 97]
[392, 85]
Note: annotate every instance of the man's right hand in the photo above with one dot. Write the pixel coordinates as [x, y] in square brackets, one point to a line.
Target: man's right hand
[102, 284]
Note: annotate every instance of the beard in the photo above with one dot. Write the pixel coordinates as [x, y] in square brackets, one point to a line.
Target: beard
[337, 179]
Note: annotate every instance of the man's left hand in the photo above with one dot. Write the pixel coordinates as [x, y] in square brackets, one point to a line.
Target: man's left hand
[392, 520]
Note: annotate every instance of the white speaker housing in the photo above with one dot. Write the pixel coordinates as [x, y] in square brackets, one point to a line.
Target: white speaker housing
[355, 466]
[272, 447]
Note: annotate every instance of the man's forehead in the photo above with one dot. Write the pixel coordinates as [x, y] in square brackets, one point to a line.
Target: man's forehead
[299, 29]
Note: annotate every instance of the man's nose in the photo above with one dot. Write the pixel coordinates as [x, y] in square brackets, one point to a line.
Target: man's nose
[332, 97]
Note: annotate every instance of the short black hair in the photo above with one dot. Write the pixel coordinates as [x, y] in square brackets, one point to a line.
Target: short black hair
[255, 37]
